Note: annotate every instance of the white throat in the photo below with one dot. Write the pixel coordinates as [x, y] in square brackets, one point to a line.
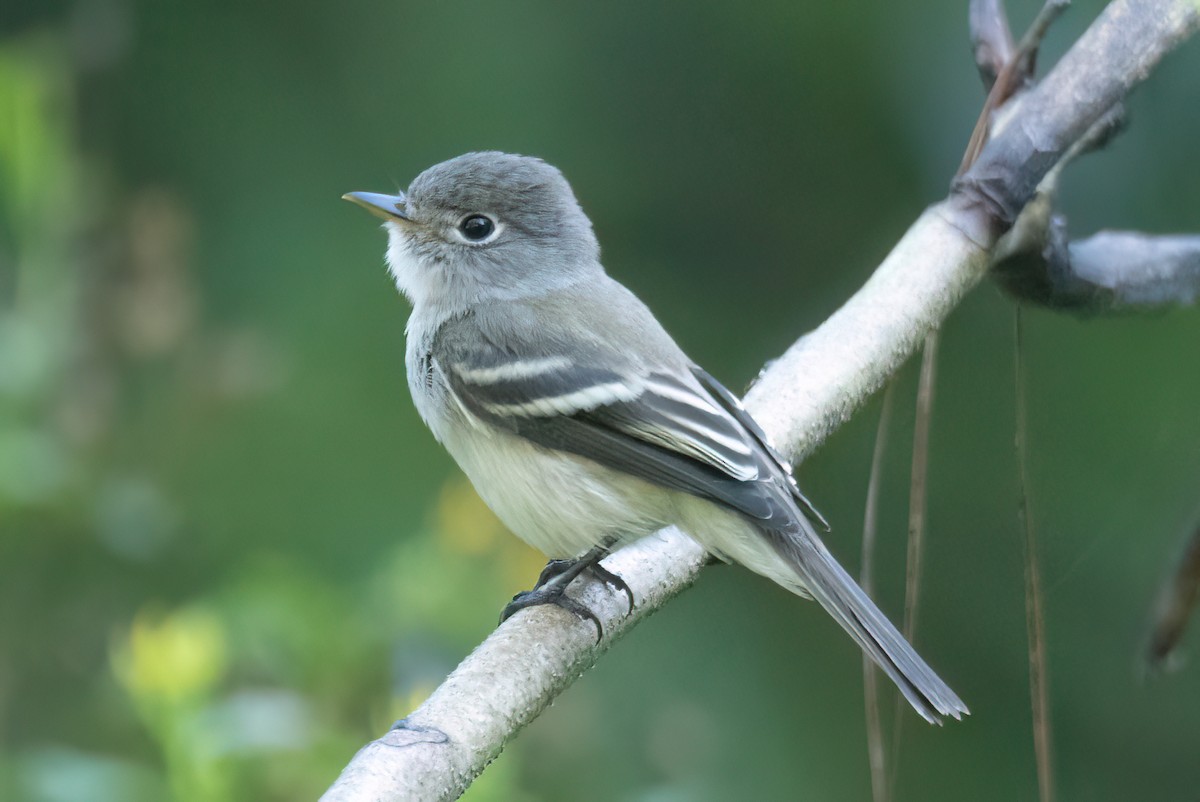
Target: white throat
[411, 278]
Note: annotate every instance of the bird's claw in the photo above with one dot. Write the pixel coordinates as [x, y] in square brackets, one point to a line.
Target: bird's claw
[552, 584]
[615, 582]
[551, 595]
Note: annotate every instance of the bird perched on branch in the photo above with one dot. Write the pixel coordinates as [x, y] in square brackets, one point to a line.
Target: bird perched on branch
[578, 419]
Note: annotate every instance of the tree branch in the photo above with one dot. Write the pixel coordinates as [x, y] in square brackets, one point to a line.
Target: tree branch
[823, 378]
[1111, 271]
[512, 676]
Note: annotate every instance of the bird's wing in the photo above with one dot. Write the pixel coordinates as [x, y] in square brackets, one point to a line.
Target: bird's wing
[657, 425]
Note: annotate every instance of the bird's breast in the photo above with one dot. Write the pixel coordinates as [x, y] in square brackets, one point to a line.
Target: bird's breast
[558, 503]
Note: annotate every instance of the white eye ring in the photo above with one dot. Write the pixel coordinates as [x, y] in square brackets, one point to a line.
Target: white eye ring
[477, 229]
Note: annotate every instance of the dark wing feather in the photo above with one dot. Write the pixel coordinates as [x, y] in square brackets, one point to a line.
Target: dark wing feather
[733, 405]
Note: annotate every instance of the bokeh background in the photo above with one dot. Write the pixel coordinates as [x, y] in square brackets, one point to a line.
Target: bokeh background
[230, 553]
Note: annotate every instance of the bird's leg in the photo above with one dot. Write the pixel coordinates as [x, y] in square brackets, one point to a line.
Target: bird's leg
[551, 589]
[552, 584]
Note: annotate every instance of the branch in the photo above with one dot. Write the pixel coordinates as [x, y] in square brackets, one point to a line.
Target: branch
[1111, 271]
[512, 676]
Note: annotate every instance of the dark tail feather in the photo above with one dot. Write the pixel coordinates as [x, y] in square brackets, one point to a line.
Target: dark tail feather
[842, 598]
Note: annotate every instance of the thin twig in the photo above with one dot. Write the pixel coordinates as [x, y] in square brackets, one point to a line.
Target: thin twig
[1016, 72]
[917, 498]
[1034, 616]
[876, 754]
[917, 495]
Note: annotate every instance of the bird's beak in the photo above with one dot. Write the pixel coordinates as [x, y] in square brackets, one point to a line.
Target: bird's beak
[389, 207]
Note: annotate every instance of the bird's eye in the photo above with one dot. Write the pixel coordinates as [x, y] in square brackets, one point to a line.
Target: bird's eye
[477, 227]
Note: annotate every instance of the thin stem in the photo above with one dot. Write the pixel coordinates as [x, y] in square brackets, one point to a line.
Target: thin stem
[1034, 616]
[917, 504]
[876, 754]
[917, 495]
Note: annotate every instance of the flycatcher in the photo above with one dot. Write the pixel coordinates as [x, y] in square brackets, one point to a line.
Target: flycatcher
[578, 419]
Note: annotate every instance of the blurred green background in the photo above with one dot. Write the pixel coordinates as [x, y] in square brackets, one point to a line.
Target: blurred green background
[230, 553]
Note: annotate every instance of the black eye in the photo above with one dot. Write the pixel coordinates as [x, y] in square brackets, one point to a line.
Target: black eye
[477, 227]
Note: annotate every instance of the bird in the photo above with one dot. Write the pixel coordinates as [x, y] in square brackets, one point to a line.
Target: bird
[578, 419]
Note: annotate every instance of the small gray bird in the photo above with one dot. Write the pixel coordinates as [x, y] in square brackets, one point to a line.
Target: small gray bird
[578, 419]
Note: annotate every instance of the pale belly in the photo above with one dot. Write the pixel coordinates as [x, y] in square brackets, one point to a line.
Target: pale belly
[558, 503]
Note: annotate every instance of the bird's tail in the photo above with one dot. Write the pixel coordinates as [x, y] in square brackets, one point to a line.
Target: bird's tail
[827, 582]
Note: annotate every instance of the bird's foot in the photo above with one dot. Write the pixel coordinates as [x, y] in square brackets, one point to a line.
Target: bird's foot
[552, 595]
[552, 585]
